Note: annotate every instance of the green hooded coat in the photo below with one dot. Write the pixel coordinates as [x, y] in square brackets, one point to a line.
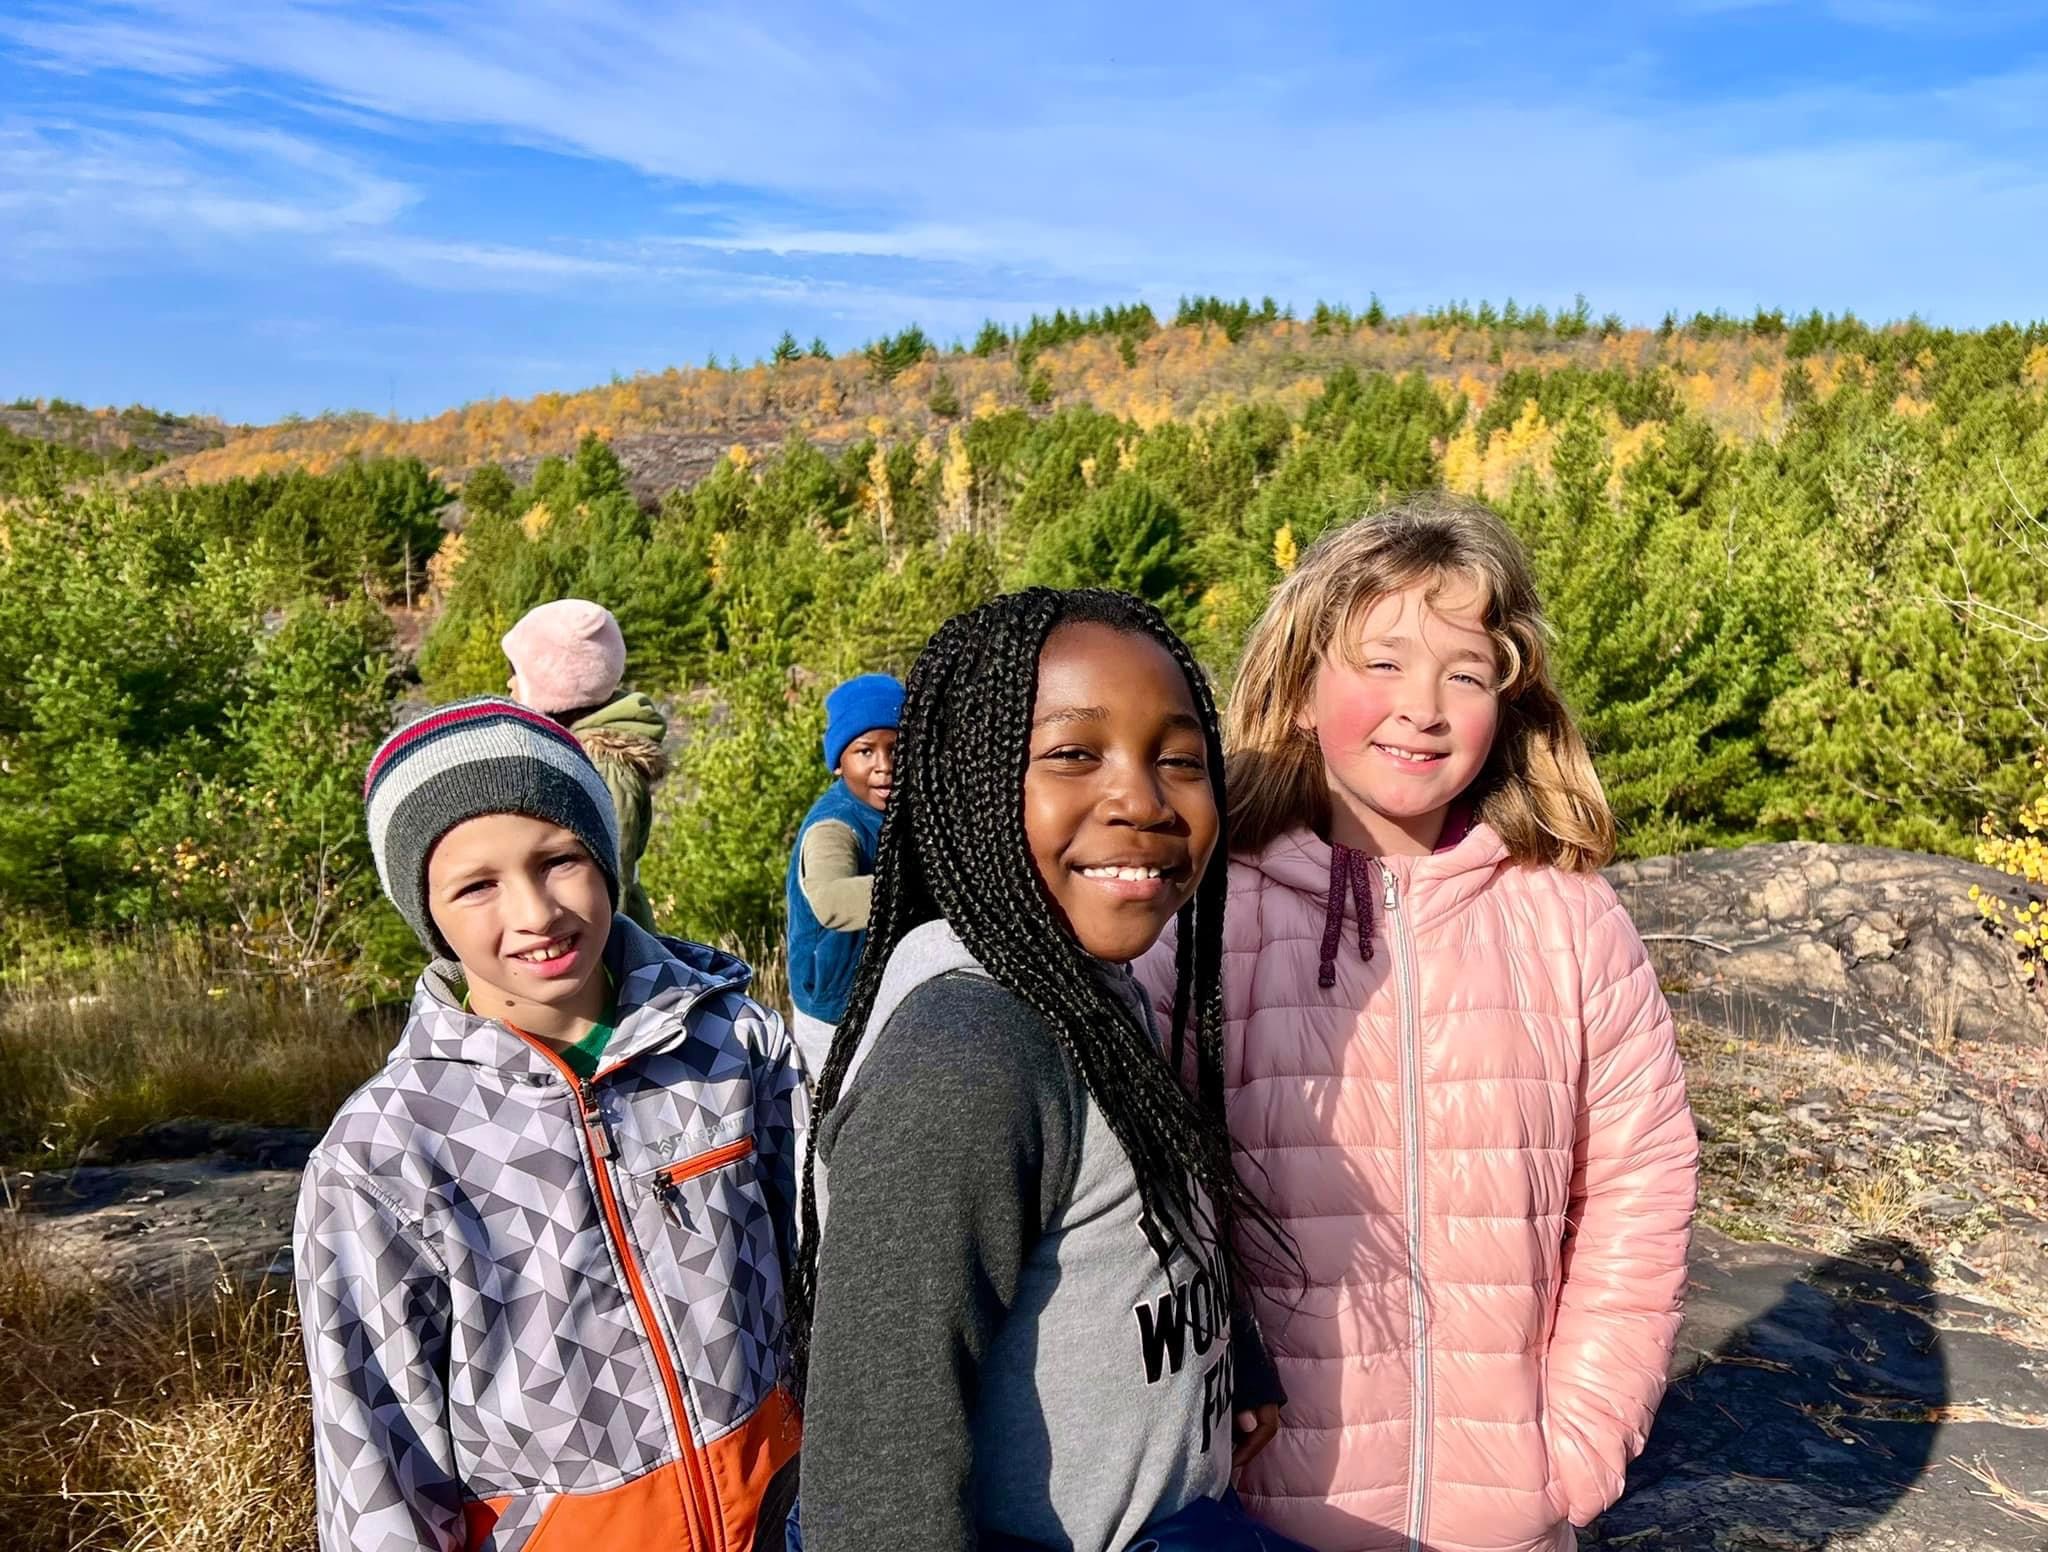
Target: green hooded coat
[623, 740]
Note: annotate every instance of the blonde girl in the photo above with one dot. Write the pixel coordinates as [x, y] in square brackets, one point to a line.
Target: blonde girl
[1450, 1071]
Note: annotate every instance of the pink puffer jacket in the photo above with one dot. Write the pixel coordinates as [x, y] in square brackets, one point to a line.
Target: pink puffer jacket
[1480, 1141]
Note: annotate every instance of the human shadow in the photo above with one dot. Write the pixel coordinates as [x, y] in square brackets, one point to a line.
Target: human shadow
[1805, 1407]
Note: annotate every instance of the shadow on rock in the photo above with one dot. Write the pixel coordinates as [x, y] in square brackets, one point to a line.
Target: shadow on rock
[1814, 1408]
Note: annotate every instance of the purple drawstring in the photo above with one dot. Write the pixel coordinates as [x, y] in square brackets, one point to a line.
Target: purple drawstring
[1356, 868]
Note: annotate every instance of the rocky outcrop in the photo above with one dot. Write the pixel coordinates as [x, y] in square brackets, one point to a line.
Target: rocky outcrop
[176, 1206]
[1839, 1404]
[107, 431]
[1852, 945]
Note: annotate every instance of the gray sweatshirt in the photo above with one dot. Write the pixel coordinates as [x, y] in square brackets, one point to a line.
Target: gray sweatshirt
[997, 1351]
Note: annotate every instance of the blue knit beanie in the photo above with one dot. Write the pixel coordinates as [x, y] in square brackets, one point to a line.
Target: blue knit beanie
[860, 706]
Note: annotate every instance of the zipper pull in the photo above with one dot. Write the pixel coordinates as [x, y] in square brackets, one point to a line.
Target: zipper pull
[1393, 900]
[673, 1208]
[668, 1191]
[594, 1121]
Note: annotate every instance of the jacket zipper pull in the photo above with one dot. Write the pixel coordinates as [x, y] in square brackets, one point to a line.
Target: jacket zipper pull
[673, 1207]
[594, 1121]
[1393, 902]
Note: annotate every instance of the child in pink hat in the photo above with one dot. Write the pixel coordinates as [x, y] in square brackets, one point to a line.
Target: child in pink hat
[567, 660]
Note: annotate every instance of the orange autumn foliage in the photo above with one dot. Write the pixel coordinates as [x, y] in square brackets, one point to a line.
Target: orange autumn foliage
[1185, 373]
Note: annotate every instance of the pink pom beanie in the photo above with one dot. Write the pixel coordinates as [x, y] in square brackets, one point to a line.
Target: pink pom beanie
[568, 655]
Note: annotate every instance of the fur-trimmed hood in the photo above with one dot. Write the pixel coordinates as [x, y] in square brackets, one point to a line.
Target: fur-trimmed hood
[628, 733]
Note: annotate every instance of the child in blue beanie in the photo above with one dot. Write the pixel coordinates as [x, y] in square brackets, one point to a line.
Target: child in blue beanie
[831, 872]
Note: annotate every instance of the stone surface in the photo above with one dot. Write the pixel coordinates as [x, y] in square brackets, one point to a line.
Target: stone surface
[1834, 1403]
[174, 1222]
[1854, 945]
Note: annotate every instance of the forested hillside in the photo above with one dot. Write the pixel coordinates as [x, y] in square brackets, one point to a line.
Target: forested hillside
[1211, 357]
[53, 441]
[1795, 567]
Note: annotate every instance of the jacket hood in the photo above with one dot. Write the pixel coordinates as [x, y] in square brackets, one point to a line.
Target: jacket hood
[1436, 884]
[932, 949]
[657, 981]
[640, 754]
[926, 952]
[633, 714]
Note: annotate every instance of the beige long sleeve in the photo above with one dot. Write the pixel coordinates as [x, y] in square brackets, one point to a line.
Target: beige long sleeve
[828, 872]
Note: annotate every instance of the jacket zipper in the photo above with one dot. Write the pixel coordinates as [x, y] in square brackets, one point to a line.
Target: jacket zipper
[597, 1139]
[667, 1181]
[1411, 1141]
[704, 1163]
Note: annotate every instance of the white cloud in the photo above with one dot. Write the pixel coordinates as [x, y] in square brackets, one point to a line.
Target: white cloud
[921, 241]
[139, 183]
[904, 168]
[458, 265]
[703, 95]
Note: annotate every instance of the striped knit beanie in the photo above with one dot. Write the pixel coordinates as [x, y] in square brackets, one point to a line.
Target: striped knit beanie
[462, 761]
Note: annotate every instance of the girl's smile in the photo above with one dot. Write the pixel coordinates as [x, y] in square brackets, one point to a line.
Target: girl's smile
[1405, 717]
[1119, 807]
[1412, 756]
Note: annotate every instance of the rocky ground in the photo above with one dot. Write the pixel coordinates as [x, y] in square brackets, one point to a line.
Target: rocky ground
[1864, 1362]
[175, 1206]
[1841, 1402]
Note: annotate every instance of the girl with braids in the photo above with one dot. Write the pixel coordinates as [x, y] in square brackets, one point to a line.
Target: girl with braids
[1446, 1054]
[1020, 1329]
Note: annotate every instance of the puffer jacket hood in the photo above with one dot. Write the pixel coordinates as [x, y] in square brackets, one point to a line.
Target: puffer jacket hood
[528, 1297]
[629, 730]
[1479, 1140]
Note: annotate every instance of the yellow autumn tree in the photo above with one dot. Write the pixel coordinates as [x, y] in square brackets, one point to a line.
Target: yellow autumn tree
[2019, 849]
[1284, 553]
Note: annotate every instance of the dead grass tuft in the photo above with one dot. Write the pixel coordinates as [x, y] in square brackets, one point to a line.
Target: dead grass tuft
[156, 1426]
[2001, 1492]
[155, 1030]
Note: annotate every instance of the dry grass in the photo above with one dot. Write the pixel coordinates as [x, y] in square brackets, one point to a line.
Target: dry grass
[1884, 1203]
[153, 1030]
[2002, 1493]
[1860, 1166]
[146, 1425]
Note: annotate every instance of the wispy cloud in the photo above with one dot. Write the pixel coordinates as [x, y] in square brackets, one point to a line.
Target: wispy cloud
[663, 92]
[738, 168]
[134, 183]
[1269, 173]
[459, 265]
[1884, 15]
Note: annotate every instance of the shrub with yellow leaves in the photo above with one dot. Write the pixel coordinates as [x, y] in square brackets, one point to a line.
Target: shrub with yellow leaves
[2021, 850]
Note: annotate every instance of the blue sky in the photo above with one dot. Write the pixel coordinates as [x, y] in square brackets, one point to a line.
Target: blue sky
[251, 209]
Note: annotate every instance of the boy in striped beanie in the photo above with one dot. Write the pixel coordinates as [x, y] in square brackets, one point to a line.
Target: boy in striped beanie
[540, 1255]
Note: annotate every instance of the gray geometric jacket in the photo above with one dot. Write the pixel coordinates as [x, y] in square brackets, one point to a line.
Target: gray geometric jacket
[545, 1315]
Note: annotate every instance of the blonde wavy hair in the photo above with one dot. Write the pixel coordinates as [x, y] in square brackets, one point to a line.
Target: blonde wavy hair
[1537, 789]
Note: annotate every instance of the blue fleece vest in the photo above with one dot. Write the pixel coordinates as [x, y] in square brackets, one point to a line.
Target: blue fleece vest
[822, 960]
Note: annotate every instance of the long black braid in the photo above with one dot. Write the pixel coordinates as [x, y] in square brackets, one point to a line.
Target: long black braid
[953, 845]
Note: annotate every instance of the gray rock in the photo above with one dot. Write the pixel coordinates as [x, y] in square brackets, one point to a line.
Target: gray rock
[1825, 1402]
[1857, 946]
